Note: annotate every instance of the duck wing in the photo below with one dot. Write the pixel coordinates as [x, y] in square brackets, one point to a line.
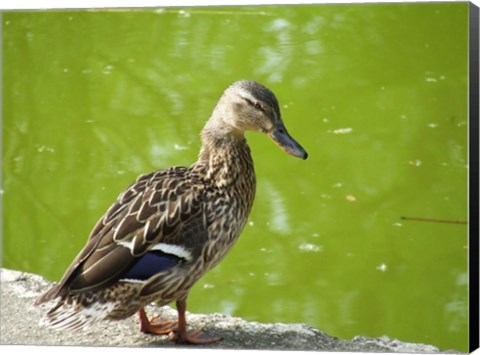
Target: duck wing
[147, 217]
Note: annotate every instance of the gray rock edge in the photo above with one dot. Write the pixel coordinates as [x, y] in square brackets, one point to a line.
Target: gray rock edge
[19, 290]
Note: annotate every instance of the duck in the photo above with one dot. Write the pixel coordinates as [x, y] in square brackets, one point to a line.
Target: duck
[171, 226]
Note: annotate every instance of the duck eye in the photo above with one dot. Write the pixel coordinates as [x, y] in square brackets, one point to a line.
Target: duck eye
[257, 105]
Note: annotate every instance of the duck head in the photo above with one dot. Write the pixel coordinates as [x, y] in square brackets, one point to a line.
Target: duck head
[249, 106]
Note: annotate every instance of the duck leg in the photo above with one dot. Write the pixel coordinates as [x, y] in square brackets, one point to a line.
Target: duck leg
[181, 335]
[176, 329]
[153, 326]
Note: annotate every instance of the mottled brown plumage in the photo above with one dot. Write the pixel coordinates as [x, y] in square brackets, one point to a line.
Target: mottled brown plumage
[171, 226]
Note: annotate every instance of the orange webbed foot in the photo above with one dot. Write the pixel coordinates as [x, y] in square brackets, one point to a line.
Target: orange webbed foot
[192, 338]
[177, 330]
[155, 326]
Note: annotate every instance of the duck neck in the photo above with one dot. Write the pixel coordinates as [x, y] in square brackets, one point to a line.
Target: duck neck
[225, 155]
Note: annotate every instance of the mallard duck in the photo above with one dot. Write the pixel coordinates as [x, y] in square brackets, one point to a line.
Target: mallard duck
[170, 227]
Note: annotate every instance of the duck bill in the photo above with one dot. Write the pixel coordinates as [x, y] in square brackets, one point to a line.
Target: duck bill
[287, 143]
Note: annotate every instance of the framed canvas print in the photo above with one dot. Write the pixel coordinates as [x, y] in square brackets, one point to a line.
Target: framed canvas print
[145, 204]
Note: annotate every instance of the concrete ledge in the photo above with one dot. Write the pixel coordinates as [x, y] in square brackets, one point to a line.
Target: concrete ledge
[19, 319]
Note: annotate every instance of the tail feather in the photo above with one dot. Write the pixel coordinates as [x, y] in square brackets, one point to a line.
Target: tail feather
[75, 316]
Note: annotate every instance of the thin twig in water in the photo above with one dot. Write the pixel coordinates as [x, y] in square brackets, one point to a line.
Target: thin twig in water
[435, 220]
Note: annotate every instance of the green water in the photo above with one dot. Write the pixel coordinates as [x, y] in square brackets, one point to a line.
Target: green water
[377, 94]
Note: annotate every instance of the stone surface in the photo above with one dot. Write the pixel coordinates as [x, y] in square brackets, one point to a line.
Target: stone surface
[19, 326]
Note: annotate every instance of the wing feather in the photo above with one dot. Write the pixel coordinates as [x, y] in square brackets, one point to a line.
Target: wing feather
[154, 209]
